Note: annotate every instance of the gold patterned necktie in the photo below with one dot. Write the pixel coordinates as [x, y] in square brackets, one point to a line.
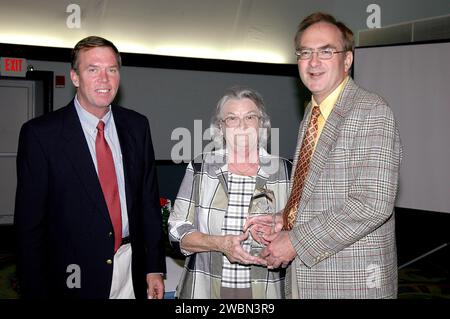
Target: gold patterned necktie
[301, 170]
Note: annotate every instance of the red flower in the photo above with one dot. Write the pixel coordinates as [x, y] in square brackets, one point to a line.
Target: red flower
[163, 202]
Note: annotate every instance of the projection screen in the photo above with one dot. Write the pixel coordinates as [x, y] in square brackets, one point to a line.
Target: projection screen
[414, 80]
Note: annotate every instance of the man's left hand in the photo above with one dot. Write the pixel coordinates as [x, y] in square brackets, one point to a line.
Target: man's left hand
[280, 251]
[155, 286]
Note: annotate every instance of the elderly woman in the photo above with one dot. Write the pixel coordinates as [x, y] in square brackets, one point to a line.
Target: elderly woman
[219, 191]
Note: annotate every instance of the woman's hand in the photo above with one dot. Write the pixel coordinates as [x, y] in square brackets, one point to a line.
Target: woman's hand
[263, 225]
[232, 248]
[229, 245]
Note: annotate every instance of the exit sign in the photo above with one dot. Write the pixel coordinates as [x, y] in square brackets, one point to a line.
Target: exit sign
[13, 67]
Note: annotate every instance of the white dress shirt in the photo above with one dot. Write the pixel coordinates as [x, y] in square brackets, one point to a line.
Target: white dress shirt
[89, 124]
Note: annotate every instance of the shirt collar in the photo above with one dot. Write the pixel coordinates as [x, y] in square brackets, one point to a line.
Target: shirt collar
[327, 105]
[89, 120]
[264, 162]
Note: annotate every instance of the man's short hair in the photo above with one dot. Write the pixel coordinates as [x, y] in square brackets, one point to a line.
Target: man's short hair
[347, 35]
[89, 43]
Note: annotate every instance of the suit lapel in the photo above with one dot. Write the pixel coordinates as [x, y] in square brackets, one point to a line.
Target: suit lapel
[327, 140]
[301, 134]
[127, 147]
[77, 151]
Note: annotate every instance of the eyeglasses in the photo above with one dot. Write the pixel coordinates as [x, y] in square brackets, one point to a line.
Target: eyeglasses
[235, 121]
[322, 54]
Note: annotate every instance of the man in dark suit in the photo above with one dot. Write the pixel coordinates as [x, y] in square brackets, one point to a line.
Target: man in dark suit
[87, 214]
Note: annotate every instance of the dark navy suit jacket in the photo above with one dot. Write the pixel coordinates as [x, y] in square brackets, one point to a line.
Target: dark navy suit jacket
[61, 217]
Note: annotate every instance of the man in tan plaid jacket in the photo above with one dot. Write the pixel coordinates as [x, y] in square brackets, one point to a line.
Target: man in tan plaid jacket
[342, 243]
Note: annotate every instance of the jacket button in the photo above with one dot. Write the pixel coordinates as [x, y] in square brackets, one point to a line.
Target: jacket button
[110, 234]
[109, 261]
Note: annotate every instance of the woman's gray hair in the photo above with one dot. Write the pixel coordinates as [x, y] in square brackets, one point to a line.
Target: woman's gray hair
[239, 93]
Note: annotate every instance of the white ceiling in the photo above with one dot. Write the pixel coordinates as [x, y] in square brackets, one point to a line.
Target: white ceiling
[246, 30]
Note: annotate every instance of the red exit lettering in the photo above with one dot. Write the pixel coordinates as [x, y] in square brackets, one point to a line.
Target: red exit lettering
[13, 65]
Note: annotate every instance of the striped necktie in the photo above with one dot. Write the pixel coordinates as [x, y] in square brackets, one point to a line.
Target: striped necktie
[301, 170]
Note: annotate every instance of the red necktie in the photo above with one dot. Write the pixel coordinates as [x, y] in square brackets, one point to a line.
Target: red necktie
[108, 181]
[301, 171]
